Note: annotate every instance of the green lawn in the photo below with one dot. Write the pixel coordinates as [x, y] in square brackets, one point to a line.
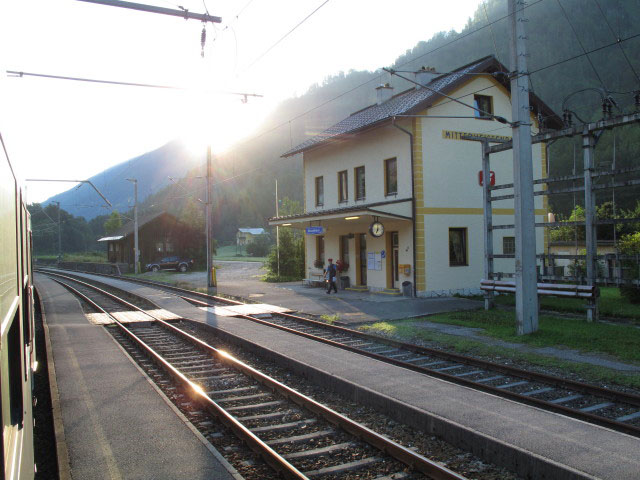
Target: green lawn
[170, 277]
[96, 257]
[228, 253]
[410, 330]
[612, 304]
[619, 341]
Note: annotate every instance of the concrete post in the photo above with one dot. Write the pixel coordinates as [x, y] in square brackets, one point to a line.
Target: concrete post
[525, 262]
[488, 222]
[588, 146]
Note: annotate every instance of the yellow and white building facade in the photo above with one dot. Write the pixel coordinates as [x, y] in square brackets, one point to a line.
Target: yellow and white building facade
[393, 190]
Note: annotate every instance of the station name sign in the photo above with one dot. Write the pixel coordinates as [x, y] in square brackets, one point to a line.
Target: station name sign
[453, 135]
[315, 230]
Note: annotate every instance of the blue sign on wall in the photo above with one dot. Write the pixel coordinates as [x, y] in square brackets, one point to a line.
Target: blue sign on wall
[314, 230]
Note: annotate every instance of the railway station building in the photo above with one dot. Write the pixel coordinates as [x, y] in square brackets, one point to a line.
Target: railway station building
[393, 190]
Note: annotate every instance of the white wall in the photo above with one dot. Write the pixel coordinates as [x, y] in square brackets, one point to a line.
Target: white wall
[376, 279]
[452, 196]
[368, 149]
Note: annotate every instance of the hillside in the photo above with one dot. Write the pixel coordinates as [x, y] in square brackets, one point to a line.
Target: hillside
[562, 75]
[151, 169]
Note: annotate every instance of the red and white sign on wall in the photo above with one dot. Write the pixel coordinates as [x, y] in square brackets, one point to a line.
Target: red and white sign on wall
[492, 178]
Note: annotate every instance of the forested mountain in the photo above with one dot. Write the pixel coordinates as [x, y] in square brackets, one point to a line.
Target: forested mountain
[244, 177]
[151, 169]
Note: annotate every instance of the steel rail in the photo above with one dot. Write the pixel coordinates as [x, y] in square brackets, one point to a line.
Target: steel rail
[560, 382]
[617, 396]
[270, 456]
[533, 376]
[394, 449]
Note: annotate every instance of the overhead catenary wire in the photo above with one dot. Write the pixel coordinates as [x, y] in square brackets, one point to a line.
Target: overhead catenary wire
[262, 55]
[617, 40]
[581, 45]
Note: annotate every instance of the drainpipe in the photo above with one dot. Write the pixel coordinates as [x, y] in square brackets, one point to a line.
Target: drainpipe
[413, 201]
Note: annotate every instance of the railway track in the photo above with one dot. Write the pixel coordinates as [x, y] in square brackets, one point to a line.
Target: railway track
[613, 409]
[295, 435]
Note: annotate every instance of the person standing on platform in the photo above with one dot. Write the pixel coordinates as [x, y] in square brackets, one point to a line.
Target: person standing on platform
[332, 273]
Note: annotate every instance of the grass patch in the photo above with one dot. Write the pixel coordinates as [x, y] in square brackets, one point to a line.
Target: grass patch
[612, 304]
[619, 341]
[172, 278]
[330, 319]
[409, 330]
[92, 257]
[274, 278]
[228, 253]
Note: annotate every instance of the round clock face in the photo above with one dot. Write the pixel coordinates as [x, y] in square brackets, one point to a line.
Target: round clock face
[376, 229]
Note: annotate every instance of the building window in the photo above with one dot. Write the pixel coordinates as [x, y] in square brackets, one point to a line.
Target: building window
[320, 249]
[484, 103]
[509, 245]
[360, 185]
[343, 191]
[168, 246]
[319, 191]
[390, 176]
[159, 247]
[458, 247]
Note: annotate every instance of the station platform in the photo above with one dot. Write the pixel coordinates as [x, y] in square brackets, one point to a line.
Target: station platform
[534, 443]
[115, 424]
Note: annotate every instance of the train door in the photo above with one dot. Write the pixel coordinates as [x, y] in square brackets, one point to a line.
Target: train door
[362, 253]
[394, 260]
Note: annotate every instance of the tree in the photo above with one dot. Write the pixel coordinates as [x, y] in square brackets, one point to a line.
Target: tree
[291, 257]
[630, 245]
[260, 246]
[113, 223]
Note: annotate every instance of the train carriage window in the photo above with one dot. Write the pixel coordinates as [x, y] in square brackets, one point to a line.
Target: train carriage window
[14, 356]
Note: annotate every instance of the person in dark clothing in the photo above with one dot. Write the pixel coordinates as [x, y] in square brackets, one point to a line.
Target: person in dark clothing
[332, 273]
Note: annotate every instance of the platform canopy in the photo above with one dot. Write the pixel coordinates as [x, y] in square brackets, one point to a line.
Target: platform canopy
[354, 215]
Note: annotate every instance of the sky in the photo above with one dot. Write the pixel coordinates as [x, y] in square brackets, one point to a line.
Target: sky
[63, 129]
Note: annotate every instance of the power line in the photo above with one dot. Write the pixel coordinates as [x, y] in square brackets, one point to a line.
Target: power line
[15, 73]
[581, 46]
[286, 35]
[617, 40]
[621, 40]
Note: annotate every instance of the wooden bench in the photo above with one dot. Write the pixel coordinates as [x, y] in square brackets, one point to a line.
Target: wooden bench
[587, 292]
[316, 279]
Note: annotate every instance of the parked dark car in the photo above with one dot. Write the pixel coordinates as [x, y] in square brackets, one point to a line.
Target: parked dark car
[171, 263]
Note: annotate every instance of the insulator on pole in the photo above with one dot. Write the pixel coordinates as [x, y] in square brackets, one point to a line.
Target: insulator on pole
[203, 39]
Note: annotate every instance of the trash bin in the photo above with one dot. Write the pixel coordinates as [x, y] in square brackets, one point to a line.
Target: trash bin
[407, 289]
[344, 282]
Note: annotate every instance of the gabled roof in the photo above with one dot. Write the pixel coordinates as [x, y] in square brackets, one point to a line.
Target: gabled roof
[415, 100]
[128, 228]
[252, 231]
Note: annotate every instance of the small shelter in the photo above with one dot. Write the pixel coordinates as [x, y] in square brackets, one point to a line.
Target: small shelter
[159, 235]
[245, 236]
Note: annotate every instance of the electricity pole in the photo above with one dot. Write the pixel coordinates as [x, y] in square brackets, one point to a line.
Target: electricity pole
[136, 254]
[525, 258]
[277, 232]
[59, 234]
[207, 214]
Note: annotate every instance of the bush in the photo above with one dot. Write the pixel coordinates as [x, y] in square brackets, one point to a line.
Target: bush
[291, 257]
[259, 247]
[631, 293]
[630, 245]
